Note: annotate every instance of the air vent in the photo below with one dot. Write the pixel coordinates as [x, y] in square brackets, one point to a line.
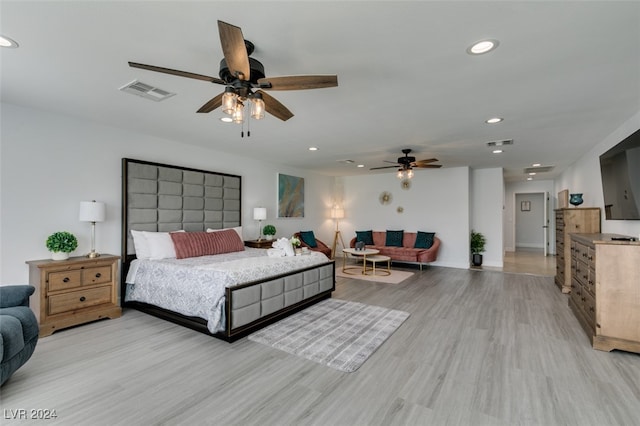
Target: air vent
[146, 91]
[500, 142]
[540, 169]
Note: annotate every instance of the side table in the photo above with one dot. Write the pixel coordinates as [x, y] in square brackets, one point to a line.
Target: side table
[262, 244]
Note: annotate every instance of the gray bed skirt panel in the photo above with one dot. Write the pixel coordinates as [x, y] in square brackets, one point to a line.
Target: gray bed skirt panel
[249, 304]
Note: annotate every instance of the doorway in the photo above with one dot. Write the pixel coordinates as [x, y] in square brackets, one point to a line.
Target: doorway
[531, 235]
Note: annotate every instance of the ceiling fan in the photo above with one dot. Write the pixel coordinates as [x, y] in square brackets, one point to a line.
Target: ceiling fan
[245, 79]
[407, 163]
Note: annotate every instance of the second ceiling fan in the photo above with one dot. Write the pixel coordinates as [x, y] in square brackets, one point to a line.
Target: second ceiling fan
[245, 79]
[408, 163]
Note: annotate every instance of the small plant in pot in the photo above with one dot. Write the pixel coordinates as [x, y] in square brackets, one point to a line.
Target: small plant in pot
[269, 231]
[478, 242]
[60, 244]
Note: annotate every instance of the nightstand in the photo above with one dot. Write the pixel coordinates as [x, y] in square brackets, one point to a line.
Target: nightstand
[74, 291]
[263, 244]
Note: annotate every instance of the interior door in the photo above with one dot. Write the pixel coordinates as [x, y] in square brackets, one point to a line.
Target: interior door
[545, 224]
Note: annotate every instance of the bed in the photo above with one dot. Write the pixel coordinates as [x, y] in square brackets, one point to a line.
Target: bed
[227, 295]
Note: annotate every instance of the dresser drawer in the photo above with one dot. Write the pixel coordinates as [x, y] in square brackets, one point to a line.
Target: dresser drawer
[97, 275]
[75, 300]
[64, 280]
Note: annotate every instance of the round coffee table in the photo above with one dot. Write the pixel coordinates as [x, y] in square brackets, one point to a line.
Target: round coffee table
[379, 258]
[357, 253]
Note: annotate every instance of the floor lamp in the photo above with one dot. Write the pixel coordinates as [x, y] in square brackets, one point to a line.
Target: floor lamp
[337, 213]
[259, 214]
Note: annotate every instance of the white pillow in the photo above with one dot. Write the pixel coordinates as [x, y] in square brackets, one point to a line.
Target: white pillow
[238, 230]
[153, 245]
[160, 245]
[141, 245]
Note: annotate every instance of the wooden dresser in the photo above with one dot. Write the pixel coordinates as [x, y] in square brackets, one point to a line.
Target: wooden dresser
[605, 295]
[74, 291]
[571, 220]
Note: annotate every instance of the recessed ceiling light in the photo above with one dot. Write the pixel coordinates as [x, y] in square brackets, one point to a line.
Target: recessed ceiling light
[532, 174]
[497, 151]
[482, 47]
[529, 178]
[536, 165]
[494, 120]
[7, 42]
[226, 119]
[313, 148]
[360, 165]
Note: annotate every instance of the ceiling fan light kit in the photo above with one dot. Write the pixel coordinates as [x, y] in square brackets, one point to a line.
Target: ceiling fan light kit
[245, 80]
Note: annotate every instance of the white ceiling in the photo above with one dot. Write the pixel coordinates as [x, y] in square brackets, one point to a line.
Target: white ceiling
[565, 75]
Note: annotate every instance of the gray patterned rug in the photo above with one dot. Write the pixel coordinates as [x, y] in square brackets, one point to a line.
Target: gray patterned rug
[337, 333]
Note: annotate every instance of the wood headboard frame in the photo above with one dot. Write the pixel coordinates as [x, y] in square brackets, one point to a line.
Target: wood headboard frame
[162, 198]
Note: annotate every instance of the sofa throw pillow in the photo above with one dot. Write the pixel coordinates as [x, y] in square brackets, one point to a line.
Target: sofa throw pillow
[309, 238]
[365, 236]
[424, 240]
[394, 238]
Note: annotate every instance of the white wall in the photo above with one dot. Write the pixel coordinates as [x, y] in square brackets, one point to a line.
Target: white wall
[584, 176]
[487, 206]
[438, 201]
[49, 163]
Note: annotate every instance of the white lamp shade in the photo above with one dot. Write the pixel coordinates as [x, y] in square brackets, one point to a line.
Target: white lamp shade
[337, 213]
[259, 213]
[92, 211]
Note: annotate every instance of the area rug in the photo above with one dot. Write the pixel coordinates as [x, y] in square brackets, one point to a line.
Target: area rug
[336, 333]
[396, 277]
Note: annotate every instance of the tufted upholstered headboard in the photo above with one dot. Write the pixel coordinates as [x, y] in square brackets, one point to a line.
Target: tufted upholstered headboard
[161, 197]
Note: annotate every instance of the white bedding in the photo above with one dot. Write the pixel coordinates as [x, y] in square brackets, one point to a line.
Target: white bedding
[196, 286]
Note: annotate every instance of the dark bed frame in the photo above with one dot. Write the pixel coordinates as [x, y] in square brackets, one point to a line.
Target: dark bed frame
[161, 197]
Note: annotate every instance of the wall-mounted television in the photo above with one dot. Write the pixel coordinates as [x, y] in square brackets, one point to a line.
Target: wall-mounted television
[620, 170]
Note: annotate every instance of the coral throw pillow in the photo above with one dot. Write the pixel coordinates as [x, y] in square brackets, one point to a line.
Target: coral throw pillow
[195, 244]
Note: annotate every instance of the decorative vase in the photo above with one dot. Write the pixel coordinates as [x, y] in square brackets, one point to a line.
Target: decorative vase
[575, 199]
[59, 255]
[477, 259]
[269, 237]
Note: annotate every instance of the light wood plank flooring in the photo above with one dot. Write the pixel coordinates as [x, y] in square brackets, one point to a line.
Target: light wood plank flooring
[480, 348]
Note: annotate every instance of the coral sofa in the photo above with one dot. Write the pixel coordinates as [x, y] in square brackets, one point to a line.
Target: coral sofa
[406, 253]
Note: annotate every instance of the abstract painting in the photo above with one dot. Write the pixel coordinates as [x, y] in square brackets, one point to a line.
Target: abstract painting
[290, 196]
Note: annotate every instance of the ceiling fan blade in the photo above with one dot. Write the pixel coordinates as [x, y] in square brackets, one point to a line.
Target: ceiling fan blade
[176, 72]
[212, 104]
[430, 160]
[384, 167]
[274, 107]
[427, 166]
[234, 50]
[298, 82]
[392, 162]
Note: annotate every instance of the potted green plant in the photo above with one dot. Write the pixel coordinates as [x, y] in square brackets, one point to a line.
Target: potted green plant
[478, 242]
[269, 231]
[60, 244]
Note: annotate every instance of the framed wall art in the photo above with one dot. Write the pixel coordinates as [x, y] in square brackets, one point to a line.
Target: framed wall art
[290, 196]
[525, 206]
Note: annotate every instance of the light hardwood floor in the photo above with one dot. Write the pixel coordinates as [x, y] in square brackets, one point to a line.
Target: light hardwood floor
[480, 348]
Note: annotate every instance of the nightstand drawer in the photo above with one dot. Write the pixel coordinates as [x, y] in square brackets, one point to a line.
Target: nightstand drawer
[65, 279]
[96, 275]
[75, 300]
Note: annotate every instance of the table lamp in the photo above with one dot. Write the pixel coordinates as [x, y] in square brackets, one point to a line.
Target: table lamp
[92, 211]
[259, 214]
